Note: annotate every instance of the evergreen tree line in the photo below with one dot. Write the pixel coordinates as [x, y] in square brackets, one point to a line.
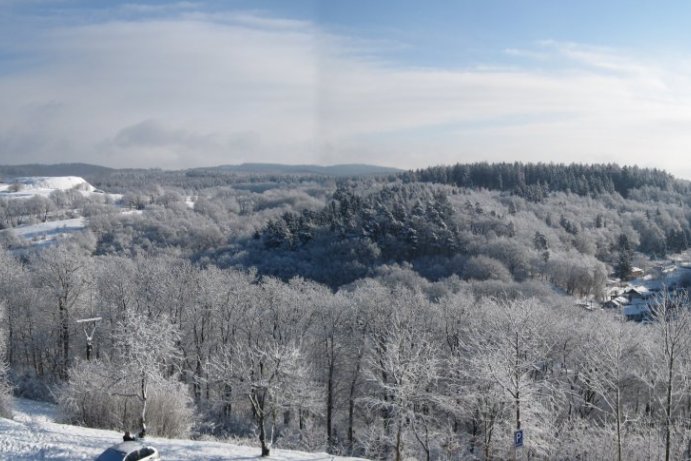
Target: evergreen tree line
[534, 181]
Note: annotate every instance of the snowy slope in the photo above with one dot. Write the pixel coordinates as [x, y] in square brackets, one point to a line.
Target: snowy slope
[51, 230]
[34, 435]
[43, 185]
[48, 232]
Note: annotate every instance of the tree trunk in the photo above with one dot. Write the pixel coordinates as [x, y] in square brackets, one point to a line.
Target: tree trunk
[351, 399]
[196, 384]
[64, 337]
[258, 408]
[668, 405]
[399, 442]
[266, 451]
[227, 405]
[329, 406]
[142, 418]
[618, 403]
[10, 340]
[517, 380]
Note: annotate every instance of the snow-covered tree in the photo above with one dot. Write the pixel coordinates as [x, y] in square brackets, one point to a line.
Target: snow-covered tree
[147, 353]
[5, 391]
[404, 373]
[612, 355]
[506, 357]
[65, 275]
[272, 377]
[669, 363]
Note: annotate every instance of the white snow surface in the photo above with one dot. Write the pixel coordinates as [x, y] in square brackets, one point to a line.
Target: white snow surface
[33, 434]
[51, 230]
[43, 185]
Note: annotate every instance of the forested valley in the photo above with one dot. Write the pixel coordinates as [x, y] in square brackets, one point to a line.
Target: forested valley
[424, 315]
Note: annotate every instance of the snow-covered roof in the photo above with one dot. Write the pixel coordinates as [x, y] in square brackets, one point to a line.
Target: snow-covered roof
[639, 289]
[613, 292]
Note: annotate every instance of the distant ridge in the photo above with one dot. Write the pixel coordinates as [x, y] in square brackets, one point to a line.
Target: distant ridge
[88, 170]
[58, 169]
[331, 170]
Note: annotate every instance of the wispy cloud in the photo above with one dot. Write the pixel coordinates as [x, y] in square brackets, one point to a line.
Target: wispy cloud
[193, 88]
[524, 53]
[158, 8]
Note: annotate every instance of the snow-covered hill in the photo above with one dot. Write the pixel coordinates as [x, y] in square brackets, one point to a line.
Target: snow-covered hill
[55, 223]
[55, 182]
[42, 185]
[33, 434]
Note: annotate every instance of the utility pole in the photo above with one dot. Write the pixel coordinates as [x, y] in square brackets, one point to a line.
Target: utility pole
[89, 336]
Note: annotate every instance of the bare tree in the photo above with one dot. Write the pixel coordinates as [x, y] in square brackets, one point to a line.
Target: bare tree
[65, 274]
[5, 390]
[273, 377]
[10, 275]
[262, 361]
[330, 351]
[668, 350]
[612, 356]
[405, 373]
[147, 349]
[509, 351]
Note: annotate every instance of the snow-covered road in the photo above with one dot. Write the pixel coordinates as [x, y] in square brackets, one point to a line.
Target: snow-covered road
[33, 434]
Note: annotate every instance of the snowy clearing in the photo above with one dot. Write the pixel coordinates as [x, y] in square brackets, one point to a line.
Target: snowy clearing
[33, 434]
[51, 230]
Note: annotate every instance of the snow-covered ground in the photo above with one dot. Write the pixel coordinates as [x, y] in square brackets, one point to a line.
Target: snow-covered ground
[33, 434]
[49, 231]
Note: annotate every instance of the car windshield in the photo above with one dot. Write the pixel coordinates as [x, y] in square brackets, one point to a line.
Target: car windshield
[112, 454]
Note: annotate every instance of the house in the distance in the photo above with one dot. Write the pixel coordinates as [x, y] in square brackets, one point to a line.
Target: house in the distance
[637, 298]
[637, 272]
[616, 303]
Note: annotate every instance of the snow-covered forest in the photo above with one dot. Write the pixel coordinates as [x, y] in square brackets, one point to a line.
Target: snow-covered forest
[421, 315]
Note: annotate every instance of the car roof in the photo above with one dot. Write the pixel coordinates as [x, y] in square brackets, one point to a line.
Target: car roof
[119, 451]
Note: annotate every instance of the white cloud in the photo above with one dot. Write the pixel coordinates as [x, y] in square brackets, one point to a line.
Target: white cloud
[197, 89]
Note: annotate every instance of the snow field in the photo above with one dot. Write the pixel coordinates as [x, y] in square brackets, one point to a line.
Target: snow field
[33, 434]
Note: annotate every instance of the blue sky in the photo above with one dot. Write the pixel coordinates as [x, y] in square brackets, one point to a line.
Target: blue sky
[404, 83]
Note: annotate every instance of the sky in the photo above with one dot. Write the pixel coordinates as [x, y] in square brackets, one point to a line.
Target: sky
[400, 83]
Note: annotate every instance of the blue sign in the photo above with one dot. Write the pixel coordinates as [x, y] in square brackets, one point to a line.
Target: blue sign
[518, 438]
